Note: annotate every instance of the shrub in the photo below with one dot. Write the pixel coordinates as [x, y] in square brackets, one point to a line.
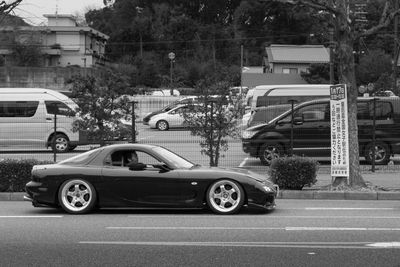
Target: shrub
[14, 174]
[293, 172]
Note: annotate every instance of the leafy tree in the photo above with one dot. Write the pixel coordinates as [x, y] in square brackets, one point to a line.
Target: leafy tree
[346, 36]
[213, 118]
[372, 66]
[27, 53]
[101, 106]
[317, 74]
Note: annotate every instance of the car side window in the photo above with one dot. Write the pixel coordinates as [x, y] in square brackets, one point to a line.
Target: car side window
[146, 158]
[121, 158]
[311, 113]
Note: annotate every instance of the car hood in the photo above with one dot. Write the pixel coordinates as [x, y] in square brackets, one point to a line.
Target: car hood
[238, 172]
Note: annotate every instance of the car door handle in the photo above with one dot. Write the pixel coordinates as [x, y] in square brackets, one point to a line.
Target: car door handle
[49, 119]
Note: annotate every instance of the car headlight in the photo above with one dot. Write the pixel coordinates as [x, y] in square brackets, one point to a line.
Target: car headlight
[248, 134]
[267, 188]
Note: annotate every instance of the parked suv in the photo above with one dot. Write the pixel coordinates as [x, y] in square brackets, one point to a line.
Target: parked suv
[312, 133]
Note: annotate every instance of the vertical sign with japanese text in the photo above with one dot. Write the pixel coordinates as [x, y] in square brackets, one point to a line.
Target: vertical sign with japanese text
[339, 131]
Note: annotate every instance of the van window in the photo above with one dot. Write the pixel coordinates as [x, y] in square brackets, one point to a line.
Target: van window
[311, 113]
[58, 107]
[383, 110]
[18, 108]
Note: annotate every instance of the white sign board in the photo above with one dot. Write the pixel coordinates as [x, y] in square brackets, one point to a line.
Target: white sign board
[339, 131]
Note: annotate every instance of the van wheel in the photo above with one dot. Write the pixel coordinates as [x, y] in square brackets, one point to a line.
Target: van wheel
[60, 144]
[270, 151]
[382, 153]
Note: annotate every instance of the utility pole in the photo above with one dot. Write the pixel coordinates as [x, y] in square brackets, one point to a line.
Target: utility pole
[396, 49]
[331, 65]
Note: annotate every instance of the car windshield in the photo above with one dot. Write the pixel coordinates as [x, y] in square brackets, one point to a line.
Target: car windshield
[82, 157]
[173, 159]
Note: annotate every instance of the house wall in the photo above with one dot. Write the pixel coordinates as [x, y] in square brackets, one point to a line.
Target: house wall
[50, 77]
[278, 67]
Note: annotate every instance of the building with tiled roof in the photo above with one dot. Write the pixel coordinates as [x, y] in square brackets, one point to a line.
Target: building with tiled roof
[293, 59]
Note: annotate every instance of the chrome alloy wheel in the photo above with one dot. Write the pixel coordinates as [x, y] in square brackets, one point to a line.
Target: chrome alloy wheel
[225, 196]
[76, 196]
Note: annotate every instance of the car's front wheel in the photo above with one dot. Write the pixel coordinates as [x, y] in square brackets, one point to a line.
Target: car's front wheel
[77, 196]
[162, 125]
[382, 153]
[225, 197]
[270, 151]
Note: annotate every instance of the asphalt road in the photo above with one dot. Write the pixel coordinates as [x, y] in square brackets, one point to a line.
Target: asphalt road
[297, 233]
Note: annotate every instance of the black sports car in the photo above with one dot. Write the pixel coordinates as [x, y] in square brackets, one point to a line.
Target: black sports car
[138, 175]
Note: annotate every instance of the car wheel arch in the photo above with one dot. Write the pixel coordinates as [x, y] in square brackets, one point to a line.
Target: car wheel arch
[229, 179]
[61, 182]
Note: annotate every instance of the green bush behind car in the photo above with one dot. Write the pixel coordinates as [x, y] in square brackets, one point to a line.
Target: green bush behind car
[293, 173]
[14, 174]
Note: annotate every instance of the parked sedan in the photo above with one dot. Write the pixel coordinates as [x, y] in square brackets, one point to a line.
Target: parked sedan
[138, 175]
[172, 118]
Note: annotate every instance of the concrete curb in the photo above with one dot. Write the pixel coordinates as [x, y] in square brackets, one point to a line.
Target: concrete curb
[338, 195]
[286, 194]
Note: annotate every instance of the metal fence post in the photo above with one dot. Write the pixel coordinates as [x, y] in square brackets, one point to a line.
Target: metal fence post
[55, 135]
[291, 101]
[133, 130]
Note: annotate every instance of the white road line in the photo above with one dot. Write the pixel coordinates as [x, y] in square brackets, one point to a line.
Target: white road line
[253, 228]
[340, 208]
[243, 162]
[190, 228]
[31, 216]
[315, 245]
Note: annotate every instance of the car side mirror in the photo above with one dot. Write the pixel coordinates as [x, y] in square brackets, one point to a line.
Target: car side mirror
[162, 167]
[133, 166]
[298, 120]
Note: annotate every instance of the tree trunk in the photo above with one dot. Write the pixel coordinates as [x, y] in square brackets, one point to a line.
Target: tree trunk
[345, 41]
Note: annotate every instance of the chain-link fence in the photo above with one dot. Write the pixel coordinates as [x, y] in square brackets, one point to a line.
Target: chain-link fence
[34, 129]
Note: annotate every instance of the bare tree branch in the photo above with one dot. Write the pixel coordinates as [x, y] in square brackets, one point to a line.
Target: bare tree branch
[326, 6]
[7, 8]
[386, 18]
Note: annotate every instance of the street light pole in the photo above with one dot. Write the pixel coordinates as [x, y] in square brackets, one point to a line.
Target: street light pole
[171, 57]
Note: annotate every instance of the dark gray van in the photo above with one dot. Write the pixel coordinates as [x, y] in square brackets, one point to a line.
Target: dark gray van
[312, 133]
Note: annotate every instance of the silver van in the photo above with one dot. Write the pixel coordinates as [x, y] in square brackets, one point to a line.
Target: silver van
[27, 118]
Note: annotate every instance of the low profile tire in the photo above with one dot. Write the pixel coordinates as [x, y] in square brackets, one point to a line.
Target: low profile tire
[162, 125]
[270, 151]
[225, 197]
[61, 144]
[382, 153]
[77, 196]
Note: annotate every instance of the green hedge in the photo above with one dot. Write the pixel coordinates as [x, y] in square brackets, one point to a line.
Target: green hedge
[293, 172]
[14, 174]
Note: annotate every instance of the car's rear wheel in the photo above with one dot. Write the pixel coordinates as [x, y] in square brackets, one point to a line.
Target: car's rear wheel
[270, 151]
[77, 196]
[225, 197]
[162, 125]
[60, 144]
[382, 153]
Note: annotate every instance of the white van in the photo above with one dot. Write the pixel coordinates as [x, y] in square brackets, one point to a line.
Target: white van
[280, 94]
[27, 118]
